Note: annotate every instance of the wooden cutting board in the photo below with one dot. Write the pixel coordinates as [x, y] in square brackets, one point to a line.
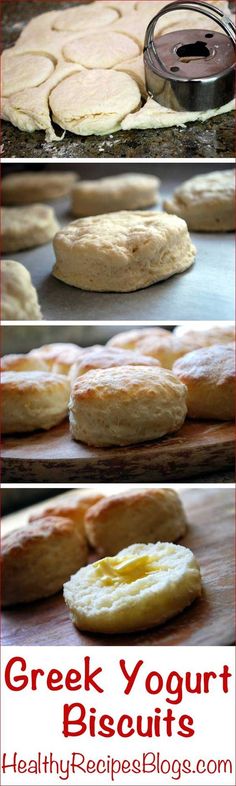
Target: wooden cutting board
[210, 620]
[199, 447]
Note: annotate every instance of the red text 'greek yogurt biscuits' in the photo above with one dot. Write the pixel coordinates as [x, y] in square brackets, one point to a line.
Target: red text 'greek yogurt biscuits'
[58, 358]
[143, 515]
[122, 252]
[206, 202]
[25, 188]
[27, 227]
[22, 363]
[33, 400]
[126, 405]
[108, 357]
[38, 558]
[73, 507]
[109, 194]
[209, 375]
[19, 299]
[143, 586]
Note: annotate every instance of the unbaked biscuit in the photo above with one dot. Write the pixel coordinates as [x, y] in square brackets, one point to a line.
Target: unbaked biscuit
[206, 202]
[73, 507]
[26, 227]
[126, 405]
[143, 586]
[38, 558]
[58, 358]
[108, 357]
[90, 52]
[33, 400]
[109, 194]
[209, 375]
[122, 252]
[143, 515]
[25, 188]
[19, 298]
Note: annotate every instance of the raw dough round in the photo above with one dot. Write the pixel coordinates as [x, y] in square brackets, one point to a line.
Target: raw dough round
[109, 194]
[24, 227]
[94, 102]
[209, 375]
[108, 357]
[126, 405]
[143, 586]
[25, 188]
[83, 16]
[23, 71]
[33, 400]
[19, 298]
[101, 50]
[122, 252]
[36, 560]
[143, 515]
[206, 202]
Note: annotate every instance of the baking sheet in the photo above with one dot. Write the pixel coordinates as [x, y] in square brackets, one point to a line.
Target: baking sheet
[205, 290]
[213, 139]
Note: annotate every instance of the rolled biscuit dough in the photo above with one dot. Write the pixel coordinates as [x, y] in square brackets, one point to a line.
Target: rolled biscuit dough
[206, 202]
[129, 191]
[122, 252]
[25, 228]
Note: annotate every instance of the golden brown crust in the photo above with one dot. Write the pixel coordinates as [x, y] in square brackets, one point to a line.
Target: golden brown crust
[58, 357]
[209, 375]
[22, 363]
[107, 357]
[33, 400]
[73, 507]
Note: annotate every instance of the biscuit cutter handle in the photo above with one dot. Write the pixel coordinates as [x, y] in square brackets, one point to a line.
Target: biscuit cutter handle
[200, 7]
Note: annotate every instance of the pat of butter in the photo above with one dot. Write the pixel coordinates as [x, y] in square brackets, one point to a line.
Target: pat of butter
[113, 570]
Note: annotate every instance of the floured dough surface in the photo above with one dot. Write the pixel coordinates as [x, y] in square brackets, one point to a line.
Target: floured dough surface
[206, 202]
[94, 101]
[25, 188]
[68, 62]
[122, 252]
[24, 227]
[142, 586]
[19, 298]
[109, 194]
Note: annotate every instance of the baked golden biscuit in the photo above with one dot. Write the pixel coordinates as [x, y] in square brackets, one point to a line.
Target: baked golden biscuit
[33, 400]
[109, 194]
[108, 357]
[161, 344]
[146, 515]
[27, 227]
[206, 336]
[38, 558]
[22, 363]
[73, 507]
[209, 375]
[206, 202]
[25, 188]
[58, 358]
[123, 251]
[19, 299]
[143, 586]
[126, 405]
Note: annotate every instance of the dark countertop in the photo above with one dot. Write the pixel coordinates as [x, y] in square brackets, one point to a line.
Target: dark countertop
[213, 139]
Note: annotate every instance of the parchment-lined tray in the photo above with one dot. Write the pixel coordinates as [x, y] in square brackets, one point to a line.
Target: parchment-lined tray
[209, 621]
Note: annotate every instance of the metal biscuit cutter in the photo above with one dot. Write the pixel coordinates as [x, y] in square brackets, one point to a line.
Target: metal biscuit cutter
[192, 70]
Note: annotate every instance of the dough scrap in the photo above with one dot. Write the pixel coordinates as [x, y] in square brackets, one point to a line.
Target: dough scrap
[143, 586]
[48, 38]
[25, 228]
[92, 53]
[122, 252]
[206, 202]
[103, 98]
[19, 298]
[128, 191]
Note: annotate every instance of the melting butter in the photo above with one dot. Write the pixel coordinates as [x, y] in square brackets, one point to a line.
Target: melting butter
[114, 570]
